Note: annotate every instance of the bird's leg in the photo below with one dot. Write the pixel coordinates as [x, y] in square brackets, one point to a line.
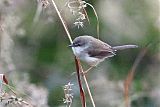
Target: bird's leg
[85, 72]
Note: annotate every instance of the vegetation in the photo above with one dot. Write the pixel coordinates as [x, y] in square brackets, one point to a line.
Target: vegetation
[38, 69]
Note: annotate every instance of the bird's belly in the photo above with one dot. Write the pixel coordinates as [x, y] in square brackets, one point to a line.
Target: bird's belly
[82, 55]
[90, 60]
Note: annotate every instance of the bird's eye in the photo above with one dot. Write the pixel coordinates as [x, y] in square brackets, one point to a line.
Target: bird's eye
[78, 44]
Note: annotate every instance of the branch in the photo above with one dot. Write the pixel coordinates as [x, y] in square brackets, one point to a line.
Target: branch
[129, 79]
[82, 95]
[63, 22]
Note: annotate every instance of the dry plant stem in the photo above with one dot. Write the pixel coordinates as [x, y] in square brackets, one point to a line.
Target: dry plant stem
[85, 72]
[78, 65]
[76, 60]
[87, 86]
[15, 93]
[63, 22]
[11, 88]
[82, 94]
[85, 12]
[130, 76]
[96, 18]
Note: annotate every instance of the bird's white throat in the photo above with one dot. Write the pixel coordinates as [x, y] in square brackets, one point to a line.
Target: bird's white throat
[78, 51]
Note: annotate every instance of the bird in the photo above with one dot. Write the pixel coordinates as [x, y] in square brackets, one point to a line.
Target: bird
[93, 51]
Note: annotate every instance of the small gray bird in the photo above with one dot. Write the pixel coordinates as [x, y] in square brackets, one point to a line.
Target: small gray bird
[93, 51]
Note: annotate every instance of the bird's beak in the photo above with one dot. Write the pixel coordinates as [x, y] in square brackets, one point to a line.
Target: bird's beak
[71, 45]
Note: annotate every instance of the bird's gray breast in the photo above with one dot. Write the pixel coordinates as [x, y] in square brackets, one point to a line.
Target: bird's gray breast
[80, 52]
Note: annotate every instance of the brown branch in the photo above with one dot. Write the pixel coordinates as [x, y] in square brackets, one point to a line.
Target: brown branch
[77, 62]
[82, 94]
[78, 65]
[129, 79]
[88, 89]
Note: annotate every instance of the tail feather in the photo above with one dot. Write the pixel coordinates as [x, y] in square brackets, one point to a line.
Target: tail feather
[124, 47]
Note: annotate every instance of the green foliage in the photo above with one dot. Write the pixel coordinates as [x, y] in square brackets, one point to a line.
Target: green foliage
[121, 22]
[56, 97]
[144, 102]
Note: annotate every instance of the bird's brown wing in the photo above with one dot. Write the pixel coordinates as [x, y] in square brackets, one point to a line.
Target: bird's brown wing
[97, 53]
[100, 50]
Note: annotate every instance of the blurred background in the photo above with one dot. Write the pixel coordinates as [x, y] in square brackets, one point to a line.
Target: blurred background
[36, 59]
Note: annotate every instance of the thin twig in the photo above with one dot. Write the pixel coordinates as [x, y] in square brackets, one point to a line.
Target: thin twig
[63, 22]
[11, 88]
[82, 94]
[78, 65]
[88, 89]
[131, 74]
[96, 18]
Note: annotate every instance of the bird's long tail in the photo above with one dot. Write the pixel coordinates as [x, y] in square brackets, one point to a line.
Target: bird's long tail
[122, 47]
